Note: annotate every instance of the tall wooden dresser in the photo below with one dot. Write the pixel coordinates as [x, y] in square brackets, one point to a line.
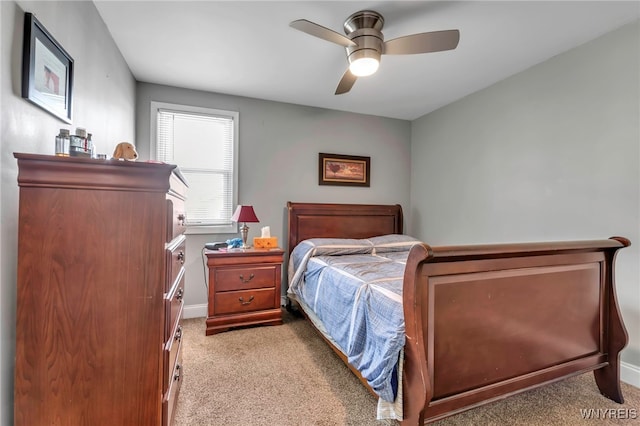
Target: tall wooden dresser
[99, 293]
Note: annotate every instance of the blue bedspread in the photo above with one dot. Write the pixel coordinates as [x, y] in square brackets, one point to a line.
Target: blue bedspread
[354, 287]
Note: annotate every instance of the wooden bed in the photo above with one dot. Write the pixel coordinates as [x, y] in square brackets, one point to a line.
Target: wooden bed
[485, 322]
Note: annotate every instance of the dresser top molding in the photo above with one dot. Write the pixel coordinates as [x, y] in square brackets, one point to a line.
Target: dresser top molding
[37, 170]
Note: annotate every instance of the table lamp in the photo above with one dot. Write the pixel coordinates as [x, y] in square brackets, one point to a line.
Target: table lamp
[244, 214]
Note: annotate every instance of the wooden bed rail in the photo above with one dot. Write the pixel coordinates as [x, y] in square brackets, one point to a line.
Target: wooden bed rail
[449, 253]
[487, 321]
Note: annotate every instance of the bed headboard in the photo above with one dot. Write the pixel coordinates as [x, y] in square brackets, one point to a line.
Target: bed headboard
[318, 220]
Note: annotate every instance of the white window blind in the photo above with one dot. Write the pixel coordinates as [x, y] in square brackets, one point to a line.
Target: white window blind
[203, 145]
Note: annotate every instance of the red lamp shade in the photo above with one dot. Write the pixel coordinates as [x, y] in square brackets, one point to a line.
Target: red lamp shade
[244, 214]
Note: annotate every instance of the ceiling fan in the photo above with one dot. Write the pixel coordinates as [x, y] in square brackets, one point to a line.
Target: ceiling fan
[364, 43]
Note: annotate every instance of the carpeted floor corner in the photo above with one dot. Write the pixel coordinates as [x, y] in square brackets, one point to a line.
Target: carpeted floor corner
[286, 375]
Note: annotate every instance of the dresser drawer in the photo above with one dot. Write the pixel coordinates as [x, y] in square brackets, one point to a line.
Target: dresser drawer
[245, 277]
[171, 350]
[231, 302]
[176, 224]
[171, 396]
[175, 260]
[174, 304]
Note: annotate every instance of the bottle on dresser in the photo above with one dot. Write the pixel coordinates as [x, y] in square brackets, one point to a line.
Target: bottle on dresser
[62, 143]
[80, 144]
[91, 146]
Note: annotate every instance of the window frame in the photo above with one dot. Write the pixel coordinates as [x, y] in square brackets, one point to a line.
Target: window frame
[231, 228]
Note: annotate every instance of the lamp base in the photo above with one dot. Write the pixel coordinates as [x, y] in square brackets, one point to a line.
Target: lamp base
[244, 230]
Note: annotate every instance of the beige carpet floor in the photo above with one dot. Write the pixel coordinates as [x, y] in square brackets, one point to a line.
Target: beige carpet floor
[286, 375]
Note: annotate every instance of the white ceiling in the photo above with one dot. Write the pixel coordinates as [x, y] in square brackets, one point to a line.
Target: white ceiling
[247, 48]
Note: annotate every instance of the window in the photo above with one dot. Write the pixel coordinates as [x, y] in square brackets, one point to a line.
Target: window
[203, 143]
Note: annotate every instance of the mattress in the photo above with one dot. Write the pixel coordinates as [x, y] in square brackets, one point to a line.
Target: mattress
[352, 291]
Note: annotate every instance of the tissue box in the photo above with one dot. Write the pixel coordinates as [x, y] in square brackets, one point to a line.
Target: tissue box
[270, 242]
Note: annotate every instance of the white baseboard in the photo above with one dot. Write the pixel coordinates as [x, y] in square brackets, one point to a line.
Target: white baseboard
[195, 311]
[630, 374]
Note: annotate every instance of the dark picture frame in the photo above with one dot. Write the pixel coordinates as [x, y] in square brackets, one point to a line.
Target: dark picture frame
[47, 70]
[344, 170]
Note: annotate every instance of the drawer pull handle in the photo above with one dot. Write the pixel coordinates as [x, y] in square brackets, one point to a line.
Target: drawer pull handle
[243, 302]
[181, 257]
[246, 280]
[180, 293]
[182, 219]
[178, 335]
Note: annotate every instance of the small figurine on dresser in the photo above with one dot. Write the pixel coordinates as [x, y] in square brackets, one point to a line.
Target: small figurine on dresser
[125, 151]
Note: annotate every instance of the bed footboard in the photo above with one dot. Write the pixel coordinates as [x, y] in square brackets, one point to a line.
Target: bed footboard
[485, 322]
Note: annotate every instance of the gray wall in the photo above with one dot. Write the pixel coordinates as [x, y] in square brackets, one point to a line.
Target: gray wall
[103, 102]
[278, 161]
[551, 153]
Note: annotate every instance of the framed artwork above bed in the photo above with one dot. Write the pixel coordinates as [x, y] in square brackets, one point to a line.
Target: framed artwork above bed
[344, 170]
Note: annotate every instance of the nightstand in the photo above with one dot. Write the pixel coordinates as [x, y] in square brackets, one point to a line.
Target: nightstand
[244, 288]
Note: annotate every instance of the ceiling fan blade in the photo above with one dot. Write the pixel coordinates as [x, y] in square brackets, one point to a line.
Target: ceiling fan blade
[435, 41]
[321, 32]
[346, 82]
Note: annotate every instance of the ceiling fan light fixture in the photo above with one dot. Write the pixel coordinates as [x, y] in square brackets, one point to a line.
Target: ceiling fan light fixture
[364, 67]
[364, 62]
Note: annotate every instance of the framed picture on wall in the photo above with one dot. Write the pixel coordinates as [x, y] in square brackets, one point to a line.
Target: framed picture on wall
[47, 70]
[345, 170]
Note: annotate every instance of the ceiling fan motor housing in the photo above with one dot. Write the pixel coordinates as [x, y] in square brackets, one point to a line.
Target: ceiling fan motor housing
[368, 44]
[364, 29]
[363, 19]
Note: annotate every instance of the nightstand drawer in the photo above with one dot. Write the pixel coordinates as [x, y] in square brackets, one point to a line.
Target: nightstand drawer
[232, 302]
[245, 277]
